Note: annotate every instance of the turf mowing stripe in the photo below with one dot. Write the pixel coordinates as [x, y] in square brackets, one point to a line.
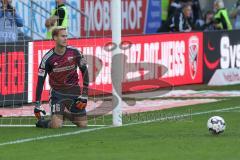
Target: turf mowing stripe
[29, 125]
[183, 115]
[106, 127]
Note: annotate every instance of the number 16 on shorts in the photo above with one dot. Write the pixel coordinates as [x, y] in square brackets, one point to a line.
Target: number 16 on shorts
[56, 108]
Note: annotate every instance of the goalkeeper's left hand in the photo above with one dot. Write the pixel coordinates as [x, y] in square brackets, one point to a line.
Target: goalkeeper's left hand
[81, 102]
[38, 109]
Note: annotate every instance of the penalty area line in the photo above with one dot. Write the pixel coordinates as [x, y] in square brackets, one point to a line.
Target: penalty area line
[107, 127]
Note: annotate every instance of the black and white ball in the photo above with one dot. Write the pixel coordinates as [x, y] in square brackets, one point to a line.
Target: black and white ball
[216, 125]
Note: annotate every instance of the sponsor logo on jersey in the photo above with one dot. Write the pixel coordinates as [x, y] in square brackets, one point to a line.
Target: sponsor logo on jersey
[62, 69]
[70, 59]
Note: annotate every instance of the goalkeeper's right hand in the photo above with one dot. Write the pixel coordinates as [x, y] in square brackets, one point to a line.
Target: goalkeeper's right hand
[38, 109]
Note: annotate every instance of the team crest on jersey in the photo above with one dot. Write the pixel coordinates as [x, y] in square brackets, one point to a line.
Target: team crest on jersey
[70, 59]
[193, 55]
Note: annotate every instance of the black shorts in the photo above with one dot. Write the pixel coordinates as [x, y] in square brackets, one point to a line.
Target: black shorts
[60, 101]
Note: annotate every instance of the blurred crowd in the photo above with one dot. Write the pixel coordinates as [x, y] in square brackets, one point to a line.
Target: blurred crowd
[9, 22]
[177, 16]
[187, 16]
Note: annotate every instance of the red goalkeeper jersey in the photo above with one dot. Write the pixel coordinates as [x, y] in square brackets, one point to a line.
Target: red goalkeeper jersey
[62, 70]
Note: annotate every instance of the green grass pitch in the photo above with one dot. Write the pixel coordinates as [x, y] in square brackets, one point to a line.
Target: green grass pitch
[185, 138]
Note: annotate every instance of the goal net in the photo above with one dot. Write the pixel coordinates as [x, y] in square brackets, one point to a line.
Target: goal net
[19, 62]
[116, 65]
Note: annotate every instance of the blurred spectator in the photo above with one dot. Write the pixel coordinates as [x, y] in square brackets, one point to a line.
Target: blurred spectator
[175, 6]
[197, 13]
[165, 7]
[59, 17]
[235, 14]
[221, 17]
[180, 21]
[9, 21]
[208, 23]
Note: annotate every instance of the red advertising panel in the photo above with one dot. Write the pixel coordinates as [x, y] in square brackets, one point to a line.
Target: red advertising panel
[99, 12]
[12, 77]
[13, 73]
[179, 55]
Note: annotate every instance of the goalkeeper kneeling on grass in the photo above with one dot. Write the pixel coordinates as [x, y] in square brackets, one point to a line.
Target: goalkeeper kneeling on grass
[67, 99]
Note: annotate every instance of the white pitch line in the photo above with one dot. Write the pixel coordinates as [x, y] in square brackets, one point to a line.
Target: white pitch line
[107, 127]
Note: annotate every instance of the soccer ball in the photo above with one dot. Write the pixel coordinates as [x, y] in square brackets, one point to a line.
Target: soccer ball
[216, 125]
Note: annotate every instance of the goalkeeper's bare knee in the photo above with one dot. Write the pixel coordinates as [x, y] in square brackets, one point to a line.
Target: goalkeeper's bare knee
[56, 121]
[81, 121]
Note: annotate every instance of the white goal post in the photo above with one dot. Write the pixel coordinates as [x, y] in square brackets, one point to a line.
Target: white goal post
[117, 67]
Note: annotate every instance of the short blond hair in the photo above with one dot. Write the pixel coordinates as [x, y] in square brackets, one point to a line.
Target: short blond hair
[219, 3]
[57, 29]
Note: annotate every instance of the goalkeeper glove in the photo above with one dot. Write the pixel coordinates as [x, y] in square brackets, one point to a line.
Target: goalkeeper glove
[38, 109]
[81, 102]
